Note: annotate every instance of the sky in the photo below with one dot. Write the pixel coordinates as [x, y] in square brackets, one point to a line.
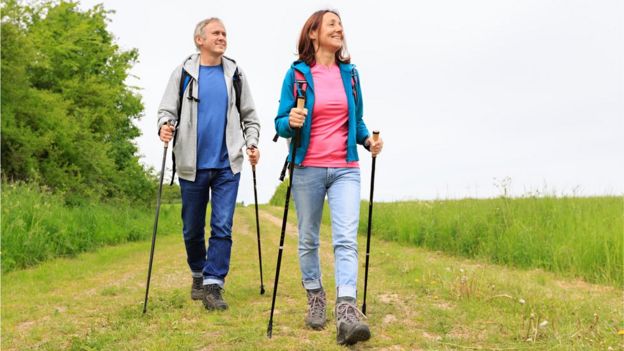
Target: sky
[472, 98]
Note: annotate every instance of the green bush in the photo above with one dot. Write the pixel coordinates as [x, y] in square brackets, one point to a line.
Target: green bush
[38, 224]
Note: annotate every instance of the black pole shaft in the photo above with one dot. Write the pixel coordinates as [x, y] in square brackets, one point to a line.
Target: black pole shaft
[151, 259]
[284, 221]
[368, 233]
[253, 169]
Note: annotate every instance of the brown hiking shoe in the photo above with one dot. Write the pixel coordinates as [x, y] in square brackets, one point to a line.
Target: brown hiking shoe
[349, 326]
[197, 289]
[212, 298]
[317, 303]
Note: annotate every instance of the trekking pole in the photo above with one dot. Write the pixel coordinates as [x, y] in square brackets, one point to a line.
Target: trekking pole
[151, 259]
[295, 141]
[253, 170]
[370, 222]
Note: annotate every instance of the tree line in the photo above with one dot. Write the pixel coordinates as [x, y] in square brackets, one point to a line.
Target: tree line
[67, 112]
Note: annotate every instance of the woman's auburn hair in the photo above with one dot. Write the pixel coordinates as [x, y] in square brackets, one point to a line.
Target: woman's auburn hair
[306, 46]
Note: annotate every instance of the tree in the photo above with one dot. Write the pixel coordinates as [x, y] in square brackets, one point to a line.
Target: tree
[67, 114]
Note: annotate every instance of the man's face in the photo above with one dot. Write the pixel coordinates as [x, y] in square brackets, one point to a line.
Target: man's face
[214, 39]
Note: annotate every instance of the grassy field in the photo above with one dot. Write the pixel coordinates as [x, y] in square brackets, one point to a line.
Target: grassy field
[576, 237]
[417, 300]
[572, 236]
[38, 225]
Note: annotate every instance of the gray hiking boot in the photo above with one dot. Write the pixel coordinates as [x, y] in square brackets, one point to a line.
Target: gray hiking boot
[317, 303]
[349, 326]
[197, 289]
[212, 298]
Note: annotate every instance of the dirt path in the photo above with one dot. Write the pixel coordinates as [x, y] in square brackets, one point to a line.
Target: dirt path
[417, 300]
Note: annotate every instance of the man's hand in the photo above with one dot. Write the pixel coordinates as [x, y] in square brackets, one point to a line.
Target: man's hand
[374, 146]
[254, 155]
[166, 133]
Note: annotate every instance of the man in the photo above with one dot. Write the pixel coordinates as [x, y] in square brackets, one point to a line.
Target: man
[211, 130]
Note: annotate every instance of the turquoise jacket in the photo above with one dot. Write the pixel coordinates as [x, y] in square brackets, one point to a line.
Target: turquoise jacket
[358, 133]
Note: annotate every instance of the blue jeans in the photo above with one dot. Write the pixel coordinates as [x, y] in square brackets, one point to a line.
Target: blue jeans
[342, 187]
[214, 263]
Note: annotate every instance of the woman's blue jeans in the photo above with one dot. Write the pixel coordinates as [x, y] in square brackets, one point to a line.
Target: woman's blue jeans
[213, 264]
[342, 187]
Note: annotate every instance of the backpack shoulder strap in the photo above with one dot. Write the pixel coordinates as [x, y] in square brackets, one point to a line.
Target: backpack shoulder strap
[301, 84]
[355, 82]
[238, 87]
[185, 79]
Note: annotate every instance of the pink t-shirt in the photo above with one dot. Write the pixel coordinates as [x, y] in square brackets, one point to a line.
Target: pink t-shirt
[330, 120]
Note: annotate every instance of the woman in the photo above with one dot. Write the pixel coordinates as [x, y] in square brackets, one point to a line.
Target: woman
[327, 164]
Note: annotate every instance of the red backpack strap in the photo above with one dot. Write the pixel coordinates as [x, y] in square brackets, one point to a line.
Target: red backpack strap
[300, 83]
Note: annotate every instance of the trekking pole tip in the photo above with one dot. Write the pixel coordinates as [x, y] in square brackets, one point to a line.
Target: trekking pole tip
[262, 290]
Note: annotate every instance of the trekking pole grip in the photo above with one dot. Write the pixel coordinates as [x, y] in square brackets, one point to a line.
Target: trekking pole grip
[300, 102]
[173, 125]
[375, 137]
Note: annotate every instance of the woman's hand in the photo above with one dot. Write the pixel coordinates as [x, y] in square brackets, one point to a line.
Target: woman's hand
[297, 117]
[374, 146]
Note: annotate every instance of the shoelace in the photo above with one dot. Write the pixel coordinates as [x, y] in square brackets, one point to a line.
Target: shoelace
[197, 283]
[215, 291]
[317, 304]
[349, 313]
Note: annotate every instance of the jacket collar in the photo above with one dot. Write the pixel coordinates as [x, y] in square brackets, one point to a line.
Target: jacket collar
[305, 69]
[191, 65]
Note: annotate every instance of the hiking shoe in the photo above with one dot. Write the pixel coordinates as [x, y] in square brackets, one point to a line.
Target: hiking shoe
[317, 303]
[212, 298]
[349, 326]
[197, 289]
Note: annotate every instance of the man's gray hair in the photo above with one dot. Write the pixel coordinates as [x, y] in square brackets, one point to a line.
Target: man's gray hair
[199, 28]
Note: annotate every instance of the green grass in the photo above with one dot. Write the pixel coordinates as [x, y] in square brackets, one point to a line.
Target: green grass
[37, 225]
[573, 236]
[417, 300]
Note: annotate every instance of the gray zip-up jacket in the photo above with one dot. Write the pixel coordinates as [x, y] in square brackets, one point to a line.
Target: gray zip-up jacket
[185, 148]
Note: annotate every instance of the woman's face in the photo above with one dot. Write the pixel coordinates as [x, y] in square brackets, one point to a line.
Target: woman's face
[330, 35]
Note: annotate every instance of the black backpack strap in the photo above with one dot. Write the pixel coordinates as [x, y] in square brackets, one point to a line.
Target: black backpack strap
[238, 87]
[283, 172]
[185, 80]
[355, 82]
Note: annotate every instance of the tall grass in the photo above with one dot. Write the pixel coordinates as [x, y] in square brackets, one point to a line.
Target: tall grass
[37, 225]
[582, 237]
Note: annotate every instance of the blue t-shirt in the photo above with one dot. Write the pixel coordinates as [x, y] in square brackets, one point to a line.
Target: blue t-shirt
[211, 118]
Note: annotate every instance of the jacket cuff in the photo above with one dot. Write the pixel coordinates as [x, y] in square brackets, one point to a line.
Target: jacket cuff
[365, 143]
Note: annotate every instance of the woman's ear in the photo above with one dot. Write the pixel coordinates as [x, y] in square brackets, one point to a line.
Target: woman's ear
[313, 35]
